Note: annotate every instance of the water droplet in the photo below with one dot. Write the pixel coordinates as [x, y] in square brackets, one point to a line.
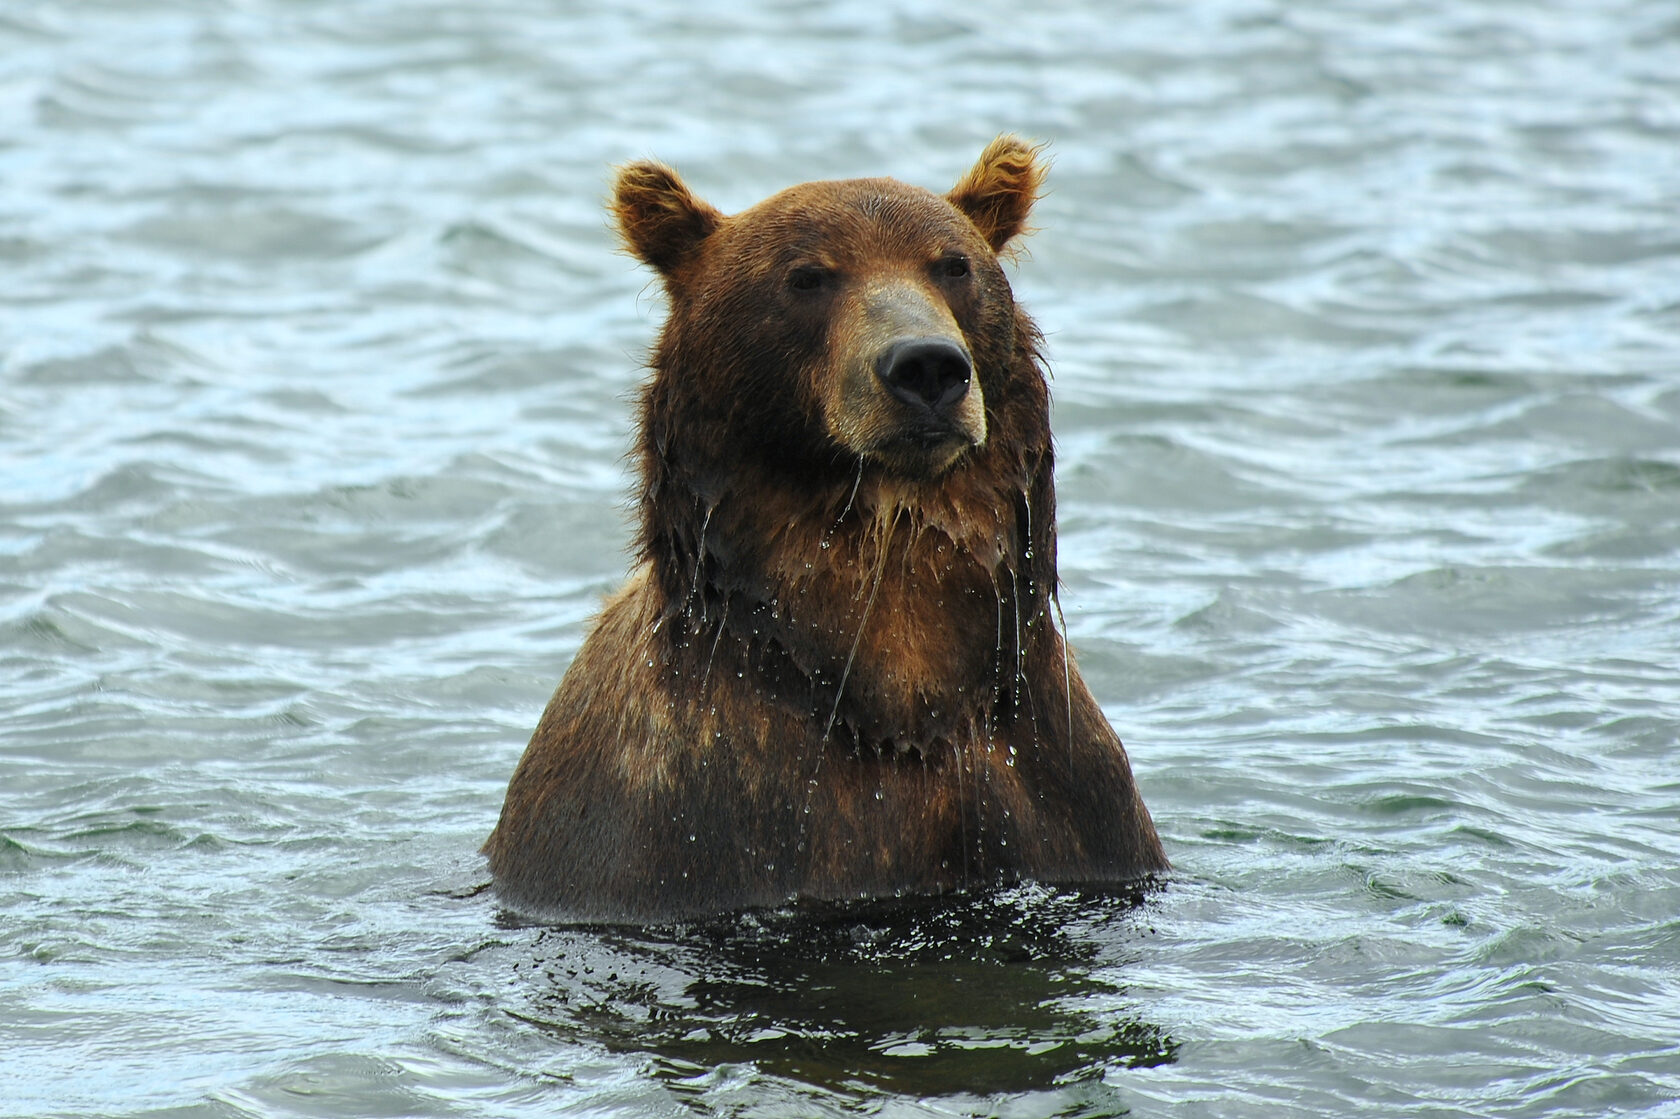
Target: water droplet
[880, 794]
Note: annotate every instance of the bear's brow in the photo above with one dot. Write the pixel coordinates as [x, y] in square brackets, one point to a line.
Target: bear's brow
[883, 207]
[809, 232]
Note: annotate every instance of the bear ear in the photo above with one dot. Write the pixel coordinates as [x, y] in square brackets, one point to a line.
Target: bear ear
[1000, 190]
[660, 219]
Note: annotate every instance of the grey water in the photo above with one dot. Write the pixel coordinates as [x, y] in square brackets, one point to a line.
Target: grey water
[315, 359]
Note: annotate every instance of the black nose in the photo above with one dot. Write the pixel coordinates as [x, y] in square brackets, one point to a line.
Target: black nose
[930, 372]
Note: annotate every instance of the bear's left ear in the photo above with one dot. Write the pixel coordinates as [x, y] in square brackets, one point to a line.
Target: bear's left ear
[660, 219]
[1000, 190]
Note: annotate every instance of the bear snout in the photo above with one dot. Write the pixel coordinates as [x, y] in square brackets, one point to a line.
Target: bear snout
[918, 404]
[908, 393]
[930, 373]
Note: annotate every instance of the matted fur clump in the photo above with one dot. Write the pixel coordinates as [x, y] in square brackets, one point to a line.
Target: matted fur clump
[834, 671]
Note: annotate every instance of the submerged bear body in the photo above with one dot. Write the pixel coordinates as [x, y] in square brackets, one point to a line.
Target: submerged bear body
[833, 672]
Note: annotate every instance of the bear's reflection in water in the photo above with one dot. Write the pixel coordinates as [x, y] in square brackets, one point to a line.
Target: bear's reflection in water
[1005, 991]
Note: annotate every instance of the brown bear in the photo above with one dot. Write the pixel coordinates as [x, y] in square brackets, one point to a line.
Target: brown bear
[834, 671]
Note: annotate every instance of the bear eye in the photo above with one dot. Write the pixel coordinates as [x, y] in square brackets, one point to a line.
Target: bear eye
[953, 267]
[810, 277]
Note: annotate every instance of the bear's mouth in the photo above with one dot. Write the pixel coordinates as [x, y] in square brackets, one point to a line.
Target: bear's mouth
[926, 449]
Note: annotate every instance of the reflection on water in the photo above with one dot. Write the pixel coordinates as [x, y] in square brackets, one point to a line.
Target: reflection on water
[997, 993]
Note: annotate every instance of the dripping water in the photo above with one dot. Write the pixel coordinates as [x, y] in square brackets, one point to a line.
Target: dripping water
[694, 589]
[863, 620]
[1067, 677]
[847, 508]
[821, 747]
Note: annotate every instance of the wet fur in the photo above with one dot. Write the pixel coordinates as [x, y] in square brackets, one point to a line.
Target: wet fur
[827, 676]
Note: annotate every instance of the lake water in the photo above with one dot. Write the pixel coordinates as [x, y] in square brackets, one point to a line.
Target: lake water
[315, 353]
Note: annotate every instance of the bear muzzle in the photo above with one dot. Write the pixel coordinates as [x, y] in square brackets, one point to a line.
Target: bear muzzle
[933, 412]
[911, 399]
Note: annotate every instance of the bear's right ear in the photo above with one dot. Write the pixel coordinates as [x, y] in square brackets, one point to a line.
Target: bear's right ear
[660, 219]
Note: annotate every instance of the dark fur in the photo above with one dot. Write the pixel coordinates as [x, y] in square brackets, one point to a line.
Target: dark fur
[834, 672]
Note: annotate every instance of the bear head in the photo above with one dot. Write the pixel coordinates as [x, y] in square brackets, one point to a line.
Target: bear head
[835, 326]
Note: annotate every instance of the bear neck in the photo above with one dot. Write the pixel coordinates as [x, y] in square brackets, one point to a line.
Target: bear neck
[901, 615]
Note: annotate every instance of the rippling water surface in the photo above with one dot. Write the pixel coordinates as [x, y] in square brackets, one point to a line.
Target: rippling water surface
[314, 360]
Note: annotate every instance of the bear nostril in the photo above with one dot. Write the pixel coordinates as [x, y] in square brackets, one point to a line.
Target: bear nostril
[931, 372]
